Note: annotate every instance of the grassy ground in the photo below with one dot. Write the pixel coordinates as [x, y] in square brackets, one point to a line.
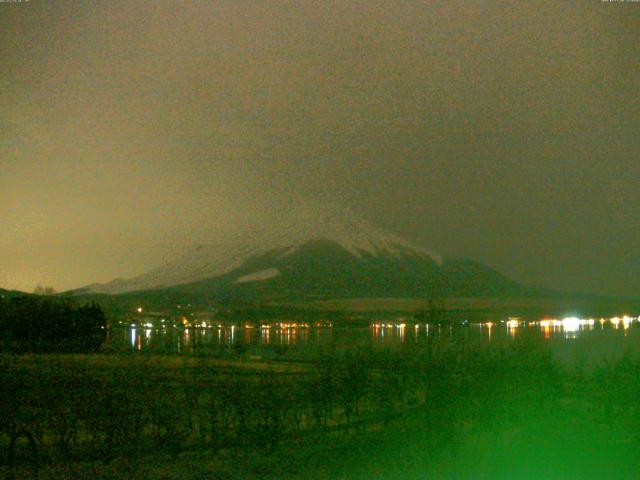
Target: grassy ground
[508, 413]
[168, 363]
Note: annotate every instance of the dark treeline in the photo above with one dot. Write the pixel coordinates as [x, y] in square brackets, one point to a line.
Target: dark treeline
[48, 324]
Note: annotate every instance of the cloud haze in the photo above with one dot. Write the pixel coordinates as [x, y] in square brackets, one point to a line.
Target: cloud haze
[506, 133]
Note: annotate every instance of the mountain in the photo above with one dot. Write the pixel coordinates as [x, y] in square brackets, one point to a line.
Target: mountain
[11, 293]
[318, 256]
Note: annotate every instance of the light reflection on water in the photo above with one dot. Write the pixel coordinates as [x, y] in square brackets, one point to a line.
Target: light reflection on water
[220, 338]
[133, 336]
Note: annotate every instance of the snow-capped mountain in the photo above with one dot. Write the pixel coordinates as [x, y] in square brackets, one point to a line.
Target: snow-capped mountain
[354, 235]
[317, 255]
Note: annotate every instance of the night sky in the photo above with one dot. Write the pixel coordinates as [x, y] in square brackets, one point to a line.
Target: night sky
[508, 133]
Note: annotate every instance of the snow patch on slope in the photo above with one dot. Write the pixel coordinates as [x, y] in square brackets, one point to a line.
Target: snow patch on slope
[259, 276]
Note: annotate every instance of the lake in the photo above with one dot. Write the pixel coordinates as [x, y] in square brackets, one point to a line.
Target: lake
[572, 340]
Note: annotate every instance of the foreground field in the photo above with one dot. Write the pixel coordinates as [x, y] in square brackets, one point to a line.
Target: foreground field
[429, 411]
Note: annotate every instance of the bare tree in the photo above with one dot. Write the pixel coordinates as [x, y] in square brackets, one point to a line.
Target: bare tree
[41, 290]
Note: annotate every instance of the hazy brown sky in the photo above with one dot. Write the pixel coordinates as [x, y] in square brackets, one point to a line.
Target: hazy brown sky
[507, 132]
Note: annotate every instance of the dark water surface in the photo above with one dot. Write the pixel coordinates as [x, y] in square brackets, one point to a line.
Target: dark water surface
[571, 339]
